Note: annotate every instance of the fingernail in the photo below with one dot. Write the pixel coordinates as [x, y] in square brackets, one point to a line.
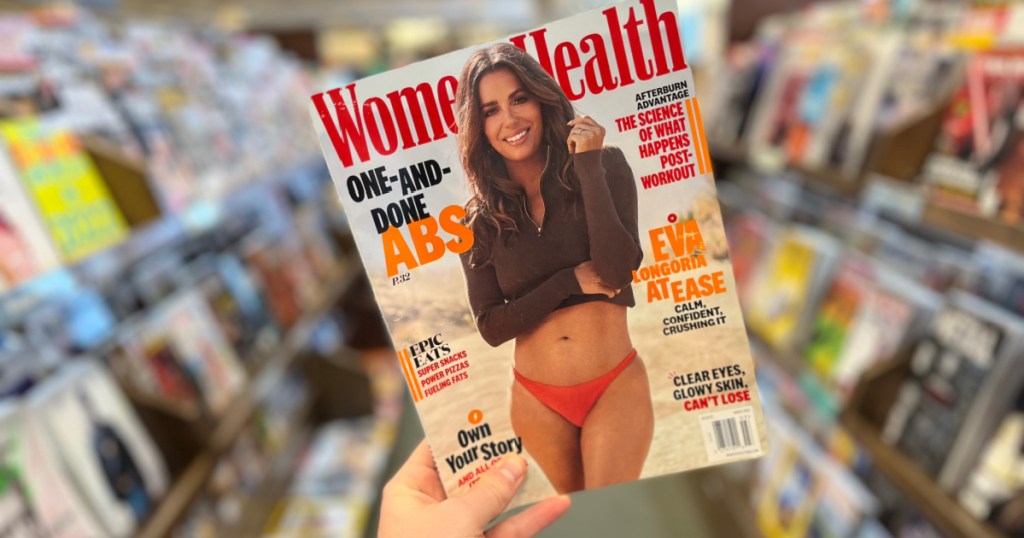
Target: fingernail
[512, 468]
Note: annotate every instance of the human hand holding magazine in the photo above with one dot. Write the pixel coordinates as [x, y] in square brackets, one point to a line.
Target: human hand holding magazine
[539, 222]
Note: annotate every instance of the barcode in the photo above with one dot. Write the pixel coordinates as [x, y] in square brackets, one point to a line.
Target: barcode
[732, 433]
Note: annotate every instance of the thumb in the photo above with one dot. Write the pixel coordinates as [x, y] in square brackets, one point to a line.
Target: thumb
[489, 497]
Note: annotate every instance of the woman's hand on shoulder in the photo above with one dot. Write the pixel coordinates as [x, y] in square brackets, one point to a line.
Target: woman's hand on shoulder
[590, 283]
[585, 135]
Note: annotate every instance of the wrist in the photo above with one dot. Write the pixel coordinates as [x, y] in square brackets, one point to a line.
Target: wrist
[588, 163]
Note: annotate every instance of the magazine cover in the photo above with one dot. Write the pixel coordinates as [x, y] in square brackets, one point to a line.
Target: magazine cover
[964, 371]
[102, 445]
[539, 220]
[839, 309]
[977, 162]
[68, 192]
[782, 297]
[37, 497]
[206, 357]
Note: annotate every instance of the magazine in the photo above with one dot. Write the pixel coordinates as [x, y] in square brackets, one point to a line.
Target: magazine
[783, 296]
[963, 374]
[68, 193]
[976, 164]
[869, 312]
[37, 496]
[101, 443]
[539, 221]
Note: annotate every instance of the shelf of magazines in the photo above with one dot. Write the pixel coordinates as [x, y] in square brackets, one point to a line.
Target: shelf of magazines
[937, 506]
[851, 434]
[948, 487]
[338, 483]
[929, 214]
[269, 371]
[203, 214]
[151, 237]
[808, 483]
[259, 504]
[897, 150]
[863, 420]
[925, 96]
[821, 311]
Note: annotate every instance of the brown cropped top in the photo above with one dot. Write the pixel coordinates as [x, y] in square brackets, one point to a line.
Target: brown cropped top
[514, 284]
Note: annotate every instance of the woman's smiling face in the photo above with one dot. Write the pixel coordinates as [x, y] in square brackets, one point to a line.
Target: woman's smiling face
[512, 119]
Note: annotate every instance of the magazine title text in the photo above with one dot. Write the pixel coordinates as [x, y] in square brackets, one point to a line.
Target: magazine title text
[424, 113]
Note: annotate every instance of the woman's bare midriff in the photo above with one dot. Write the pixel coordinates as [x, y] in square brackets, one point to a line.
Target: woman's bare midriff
[575, 344]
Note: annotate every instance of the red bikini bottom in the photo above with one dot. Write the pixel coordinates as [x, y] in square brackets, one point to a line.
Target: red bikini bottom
[574, 402]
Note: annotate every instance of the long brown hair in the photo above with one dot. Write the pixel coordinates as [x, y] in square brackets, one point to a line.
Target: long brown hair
[496, 197]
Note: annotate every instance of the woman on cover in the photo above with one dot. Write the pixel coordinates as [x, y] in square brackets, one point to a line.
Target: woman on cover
[554, 217]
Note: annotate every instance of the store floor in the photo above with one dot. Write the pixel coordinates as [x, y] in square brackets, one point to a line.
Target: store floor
[663, 507]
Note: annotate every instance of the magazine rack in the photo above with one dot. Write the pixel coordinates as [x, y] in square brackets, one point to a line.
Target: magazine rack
[210, 438]
[898, 152]
[864, 417]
